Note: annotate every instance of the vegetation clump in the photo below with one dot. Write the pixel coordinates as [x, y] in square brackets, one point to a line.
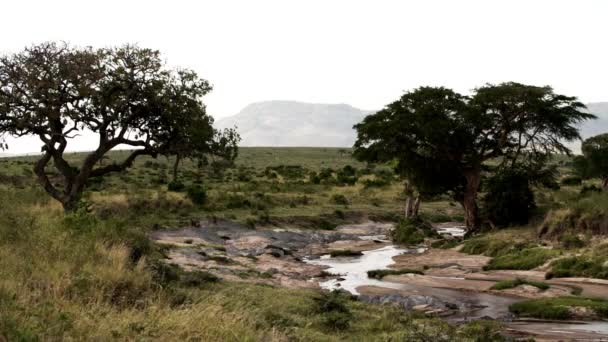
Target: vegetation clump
[344, 253]
[525, 259]
[379, 274]
[559, 307]
[509, 284]
[579, 266]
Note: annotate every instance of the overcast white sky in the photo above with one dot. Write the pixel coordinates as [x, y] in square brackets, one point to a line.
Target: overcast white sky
[364, 53]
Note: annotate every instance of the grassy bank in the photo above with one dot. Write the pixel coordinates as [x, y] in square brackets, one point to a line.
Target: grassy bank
[94, 275]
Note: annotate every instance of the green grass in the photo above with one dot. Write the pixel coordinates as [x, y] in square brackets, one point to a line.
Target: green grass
[509, 284]
[525, 259]
[379, 274]
[83, 277]
[579, 266]
[558, 307]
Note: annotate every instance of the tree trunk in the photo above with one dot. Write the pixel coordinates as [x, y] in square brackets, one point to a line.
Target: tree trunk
[409, 200]
[176, 167]
[469, 201]
[70, 204]
[416, 206]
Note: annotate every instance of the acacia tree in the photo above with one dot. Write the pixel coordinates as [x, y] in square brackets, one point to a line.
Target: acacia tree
[594, 161]
[191, 133]
[441, 139]
[126, 96]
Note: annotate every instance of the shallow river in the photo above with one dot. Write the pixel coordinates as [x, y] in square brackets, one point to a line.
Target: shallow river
[352, 272]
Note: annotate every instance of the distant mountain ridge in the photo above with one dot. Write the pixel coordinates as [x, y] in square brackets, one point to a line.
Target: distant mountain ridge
[292, 123]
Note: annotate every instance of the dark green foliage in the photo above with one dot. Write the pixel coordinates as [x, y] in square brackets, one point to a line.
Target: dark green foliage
[289, 172]
[558, 307]
[176, 186]
[125, 95]
[379, 274]
[197, 194]
[409, 232]
[333, 307]
[439, 140]
[339, 199]
[509, 284]
[594, 161]
[347, 176]
[572, 180]
[197, 278]
[509, 199]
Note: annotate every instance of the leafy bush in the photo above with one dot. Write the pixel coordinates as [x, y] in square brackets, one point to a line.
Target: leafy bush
[334, 310]
[509, 199]
[408, 232]
[347, 176]
[176, 186]
[197, 194]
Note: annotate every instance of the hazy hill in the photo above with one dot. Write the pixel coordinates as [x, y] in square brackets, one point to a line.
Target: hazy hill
[291, 123]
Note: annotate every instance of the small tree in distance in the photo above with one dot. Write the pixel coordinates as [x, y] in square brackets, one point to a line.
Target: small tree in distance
[124, 95]
[594, 161]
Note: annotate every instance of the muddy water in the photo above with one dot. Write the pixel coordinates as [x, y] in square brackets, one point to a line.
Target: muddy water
[353, 270]
[352, 273]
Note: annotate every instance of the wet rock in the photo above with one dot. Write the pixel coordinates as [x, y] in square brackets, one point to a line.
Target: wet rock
[275, 252]
[409, 302]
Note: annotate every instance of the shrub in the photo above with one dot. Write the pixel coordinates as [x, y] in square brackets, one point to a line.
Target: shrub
[197, 194]
[379, 274]
[334, 310]
[346, 176]
[509, 199]
[176, 186]
[339, 199]
[408, 232]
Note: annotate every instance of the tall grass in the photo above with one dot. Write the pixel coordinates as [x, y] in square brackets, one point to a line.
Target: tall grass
[84, 278]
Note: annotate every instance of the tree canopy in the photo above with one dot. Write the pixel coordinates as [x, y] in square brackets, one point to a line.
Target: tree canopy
[594, 161]
[441, 140]
[125, 95]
